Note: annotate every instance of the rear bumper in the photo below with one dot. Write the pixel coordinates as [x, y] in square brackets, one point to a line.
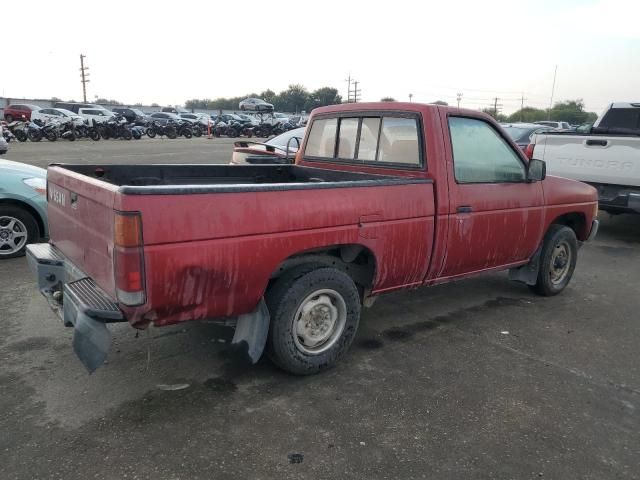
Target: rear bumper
[618, 199]
[77, 300]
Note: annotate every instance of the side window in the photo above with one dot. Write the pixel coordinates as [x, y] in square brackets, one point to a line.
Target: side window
[322, 138]
[368, 146]
[347, 138]
[399, 141]
[480, 154]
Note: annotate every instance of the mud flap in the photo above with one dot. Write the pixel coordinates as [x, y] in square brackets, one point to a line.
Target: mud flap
[527, 273]
[91, 341]
[251, 333]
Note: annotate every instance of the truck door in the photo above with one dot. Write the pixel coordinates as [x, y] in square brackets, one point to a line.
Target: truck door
[495, 215]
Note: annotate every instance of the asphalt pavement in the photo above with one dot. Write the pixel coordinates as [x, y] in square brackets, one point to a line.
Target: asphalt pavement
[477, 379]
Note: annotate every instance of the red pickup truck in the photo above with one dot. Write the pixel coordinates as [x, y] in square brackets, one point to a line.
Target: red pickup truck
[382, 197]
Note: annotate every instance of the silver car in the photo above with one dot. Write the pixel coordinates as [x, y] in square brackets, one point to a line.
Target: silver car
[255, 104]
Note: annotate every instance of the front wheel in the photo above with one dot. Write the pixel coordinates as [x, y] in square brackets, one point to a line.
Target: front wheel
[557, 261]
[151, 132]
[21, 135]
[126, 134]
[17, 229]
[314, 318]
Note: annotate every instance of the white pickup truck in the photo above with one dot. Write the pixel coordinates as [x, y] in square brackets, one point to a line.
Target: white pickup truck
[607, 156]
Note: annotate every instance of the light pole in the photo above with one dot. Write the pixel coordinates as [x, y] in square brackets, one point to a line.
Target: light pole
[459, 97]
[410, 97]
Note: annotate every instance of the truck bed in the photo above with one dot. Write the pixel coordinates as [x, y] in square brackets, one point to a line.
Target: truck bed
[184, 179]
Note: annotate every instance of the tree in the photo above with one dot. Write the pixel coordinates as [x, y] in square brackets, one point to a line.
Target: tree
[440, 102]
[571, 111]
[322, 97]
[292, 99]
[528, 114]
[107, 101]
[497, 115]
[387, 99]
[268, 95]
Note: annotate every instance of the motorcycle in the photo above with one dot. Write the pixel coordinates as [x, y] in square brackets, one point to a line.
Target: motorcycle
[116, 127]
[264, 130]
[183, 128]
[67, 130]
[168, 130]
[49, 129]
[6, 133]
[138, 131]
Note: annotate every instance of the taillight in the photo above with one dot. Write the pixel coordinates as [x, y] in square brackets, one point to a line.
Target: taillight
[128, 258]
[529, 150]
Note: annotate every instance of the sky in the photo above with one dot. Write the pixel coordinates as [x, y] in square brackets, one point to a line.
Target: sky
[169, 52]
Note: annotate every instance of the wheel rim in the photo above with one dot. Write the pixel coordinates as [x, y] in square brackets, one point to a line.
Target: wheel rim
[13, 235]
[319, 321]
[561, 258]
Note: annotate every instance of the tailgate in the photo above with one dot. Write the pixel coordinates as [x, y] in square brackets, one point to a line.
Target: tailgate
[591, 158]
[81, 222]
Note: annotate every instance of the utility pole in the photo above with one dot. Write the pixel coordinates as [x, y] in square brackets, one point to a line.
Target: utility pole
[522, 99]
[553, 88]
[459, 97]
[84, 75]
[496, 106]
[356, 91]
[411, 97]
[348, 80]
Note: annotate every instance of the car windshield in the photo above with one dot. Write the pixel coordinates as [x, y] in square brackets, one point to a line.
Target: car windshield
[65, 112]
[137, 112]
[281, 140]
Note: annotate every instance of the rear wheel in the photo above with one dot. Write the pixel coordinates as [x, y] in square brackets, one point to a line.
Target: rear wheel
[20, 135]
[126, 134]
[315, 313]
[17, 229]
[557, 261]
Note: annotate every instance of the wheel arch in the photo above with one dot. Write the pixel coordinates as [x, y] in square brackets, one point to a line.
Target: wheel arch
[356, 260]
[577, 221]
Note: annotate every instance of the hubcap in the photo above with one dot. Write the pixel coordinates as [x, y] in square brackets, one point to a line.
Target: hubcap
[560, 263]
[13, 235]
[319, 321]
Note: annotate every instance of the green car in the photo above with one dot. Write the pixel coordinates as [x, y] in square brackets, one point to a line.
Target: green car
[23, 207]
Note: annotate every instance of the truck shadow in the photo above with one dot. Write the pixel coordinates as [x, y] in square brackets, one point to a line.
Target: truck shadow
[623, 227]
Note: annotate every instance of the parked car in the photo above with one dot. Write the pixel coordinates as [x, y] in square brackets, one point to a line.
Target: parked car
[163, 117]
[17, 111]
[75, 107]
[202, 118]
[255, 104]
[176, 110]
[23, 207]
[280, 149]
[557, 125]
[248, 119]
[100, 115]
[521, 133]
[4, 145]
[48, 114]
[382, 197]
[606, 156]
[132, 115]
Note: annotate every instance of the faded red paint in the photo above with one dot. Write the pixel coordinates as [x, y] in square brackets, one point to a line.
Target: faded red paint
[211, 255]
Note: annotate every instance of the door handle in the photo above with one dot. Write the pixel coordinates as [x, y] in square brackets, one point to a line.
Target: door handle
[597, 143]
[465, 209]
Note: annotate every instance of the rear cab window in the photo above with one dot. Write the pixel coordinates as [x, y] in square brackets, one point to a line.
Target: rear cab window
[379, 139]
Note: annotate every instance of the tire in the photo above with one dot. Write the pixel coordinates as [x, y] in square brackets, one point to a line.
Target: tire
[20, 135]
[8, 118]
[151, 132]
[170, 132]
[325, 291]
[52, 136]
[23, 223]
[557, 261]
[197, 131]
[126, 134]
[187, 133]
[94, 135]
[35, 135]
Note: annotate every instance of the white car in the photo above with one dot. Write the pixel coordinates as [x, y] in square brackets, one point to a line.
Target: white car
[202, 118]
[48, 114]
[100, 115]
[556, 125]
[255, 104]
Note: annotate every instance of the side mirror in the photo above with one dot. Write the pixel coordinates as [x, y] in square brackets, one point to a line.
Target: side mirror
[537, 170]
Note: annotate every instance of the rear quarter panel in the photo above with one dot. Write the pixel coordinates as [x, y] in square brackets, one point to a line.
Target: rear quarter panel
[211, 255]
